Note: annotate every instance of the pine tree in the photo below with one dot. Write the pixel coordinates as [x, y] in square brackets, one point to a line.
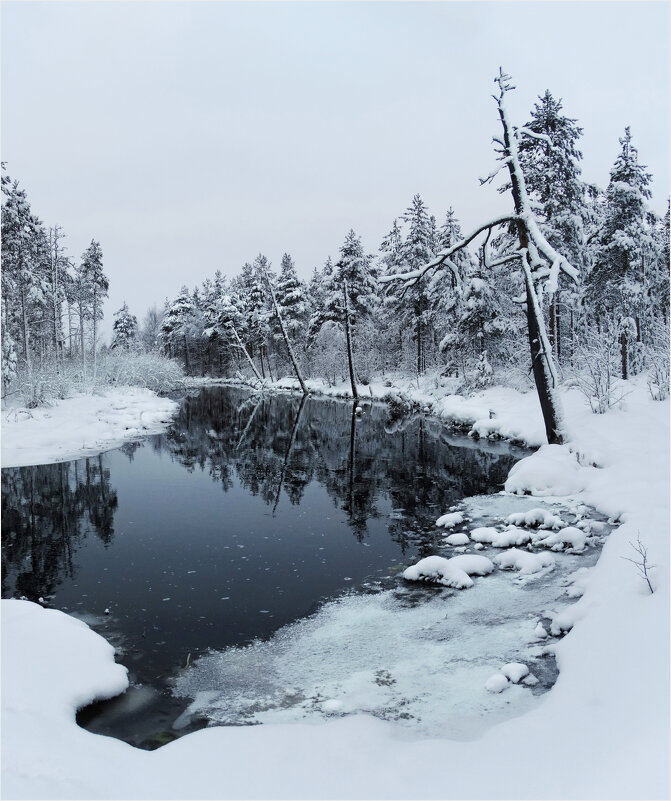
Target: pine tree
[125, 331]
[292, 299]
[615, 285]
[95, 286]
[550, 160]
[178, 325]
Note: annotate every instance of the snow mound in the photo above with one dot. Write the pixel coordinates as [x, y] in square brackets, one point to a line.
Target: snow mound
[497, 683]
[524, 561]
[569, 536]
[472, 564]
[515, 671]
[511, 535]
[437, 570]
[536, 518]
[450, 520]
[483, 534]
[552, 470]
[457, 539]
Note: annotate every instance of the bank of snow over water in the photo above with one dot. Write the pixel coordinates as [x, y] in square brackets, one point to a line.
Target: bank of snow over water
[602, 732]
[82, 425]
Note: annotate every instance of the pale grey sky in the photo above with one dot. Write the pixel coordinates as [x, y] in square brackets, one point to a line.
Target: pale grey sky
[190, 136]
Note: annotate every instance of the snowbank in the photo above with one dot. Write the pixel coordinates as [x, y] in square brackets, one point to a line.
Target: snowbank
[602, 732]
[82, 425]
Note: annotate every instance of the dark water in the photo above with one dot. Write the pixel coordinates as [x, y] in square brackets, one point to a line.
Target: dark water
[245, 516]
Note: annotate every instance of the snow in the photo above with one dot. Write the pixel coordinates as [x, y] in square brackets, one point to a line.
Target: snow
[607, 729]
[524, 561]
[457, 539]
[496, 683]
[472, 564]
[538, 518]
[511, 535]
[82, 425]
[483, 534]
[552, 470]
[450, 520]
[438, 570]
[515, 671]
[570, 535]
[454, 572]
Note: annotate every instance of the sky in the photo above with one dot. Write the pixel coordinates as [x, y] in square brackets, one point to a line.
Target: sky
[188, 137]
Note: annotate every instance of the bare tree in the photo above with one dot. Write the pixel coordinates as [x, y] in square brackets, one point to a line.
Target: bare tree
[287, 342]
[541, 264]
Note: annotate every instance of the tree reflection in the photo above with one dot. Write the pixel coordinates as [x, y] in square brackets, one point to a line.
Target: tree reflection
[278, 445]
[46, 511]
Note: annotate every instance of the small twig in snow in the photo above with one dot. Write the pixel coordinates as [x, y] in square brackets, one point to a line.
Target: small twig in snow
[641, 564]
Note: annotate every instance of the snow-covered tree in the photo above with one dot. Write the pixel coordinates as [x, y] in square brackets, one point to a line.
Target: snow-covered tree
[615, 285]
[541, 264]
[125, 331]
[95, 286]
[291, 296]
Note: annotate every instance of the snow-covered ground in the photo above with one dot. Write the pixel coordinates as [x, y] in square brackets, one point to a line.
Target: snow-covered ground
[82, 425]
[602, 732]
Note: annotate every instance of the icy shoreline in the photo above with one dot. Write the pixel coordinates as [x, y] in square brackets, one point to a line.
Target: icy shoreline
[603, 731]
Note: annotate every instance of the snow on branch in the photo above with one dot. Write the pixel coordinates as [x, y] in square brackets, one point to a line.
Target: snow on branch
[494, 173]
[533, 135]
[444, 256]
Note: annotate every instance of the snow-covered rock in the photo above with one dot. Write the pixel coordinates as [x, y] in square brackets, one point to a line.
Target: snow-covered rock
[569, 536]
[515, 671]
[472, 564]
[437, 570]
[457, 539]
[497, 683]
[523, 561]
[483, 534]
[536, 518]
[450, 520]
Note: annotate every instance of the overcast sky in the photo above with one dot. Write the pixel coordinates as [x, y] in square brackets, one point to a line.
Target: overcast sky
[190, 136]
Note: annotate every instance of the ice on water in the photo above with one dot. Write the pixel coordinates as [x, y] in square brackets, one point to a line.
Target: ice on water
[417, 654]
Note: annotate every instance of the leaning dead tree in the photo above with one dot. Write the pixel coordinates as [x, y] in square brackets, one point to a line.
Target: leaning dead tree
[285, 336]
[541, 264]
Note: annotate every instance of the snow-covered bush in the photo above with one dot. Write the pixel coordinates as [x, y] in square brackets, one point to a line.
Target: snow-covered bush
[149, 370]
[596, 363]
[657, 358]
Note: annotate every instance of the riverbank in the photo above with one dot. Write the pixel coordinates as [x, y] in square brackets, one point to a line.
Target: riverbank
[83, 425]
[602, 732]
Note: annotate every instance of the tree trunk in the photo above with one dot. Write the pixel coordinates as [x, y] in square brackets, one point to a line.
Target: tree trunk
[558, 333]
[285, 336]
[624, 355]
[95, 332]
[541, 353]
[81, 338]
[244, 350]
[187, 361]
[26, 330]
[348, 337]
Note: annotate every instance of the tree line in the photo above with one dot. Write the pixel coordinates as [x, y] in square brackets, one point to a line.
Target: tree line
[604, 296]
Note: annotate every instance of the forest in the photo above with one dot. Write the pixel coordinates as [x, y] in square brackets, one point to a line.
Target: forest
[605, 313]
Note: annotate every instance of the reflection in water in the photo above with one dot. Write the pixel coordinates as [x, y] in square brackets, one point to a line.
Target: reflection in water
[46, 510]
[236, 522]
